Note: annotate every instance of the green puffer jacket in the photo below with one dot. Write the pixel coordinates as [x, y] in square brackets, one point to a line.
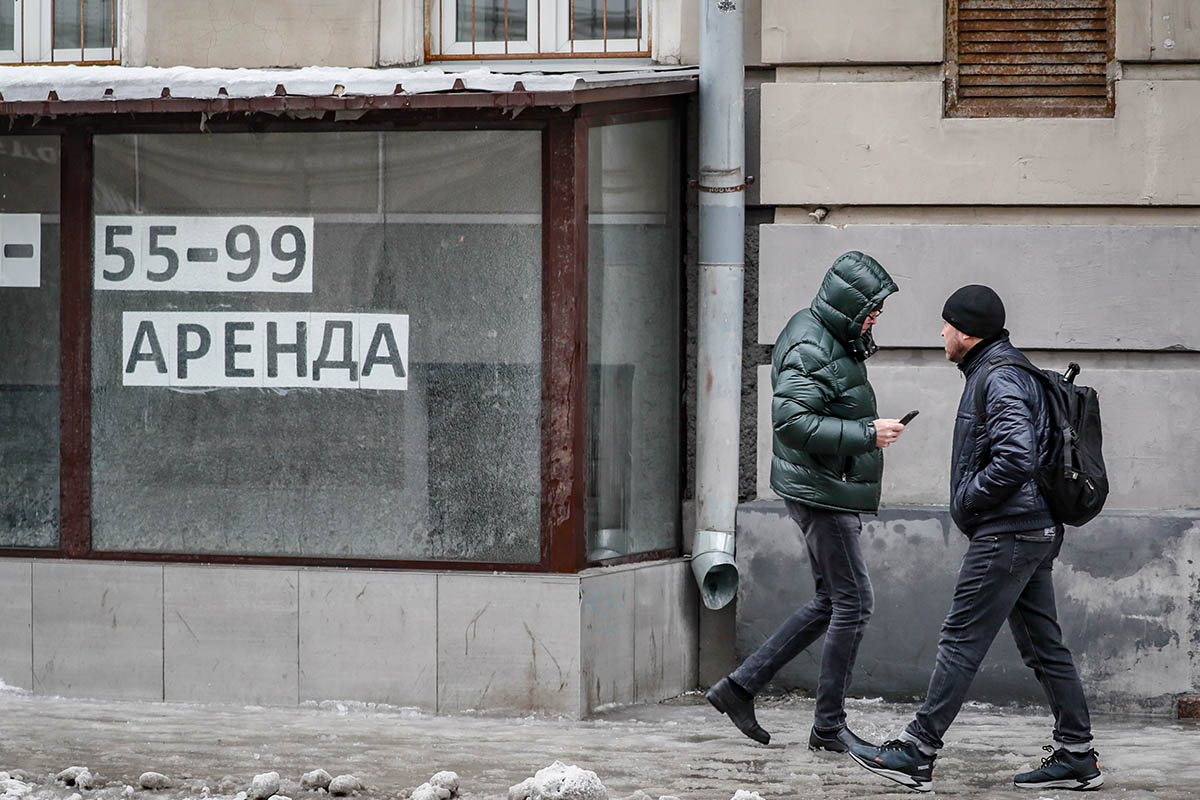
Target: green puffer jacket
[824, 449]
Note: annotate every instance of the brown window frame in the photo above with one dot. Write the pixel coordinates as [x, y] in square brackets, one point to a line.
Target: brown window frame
[1084, 88]
[564, 123]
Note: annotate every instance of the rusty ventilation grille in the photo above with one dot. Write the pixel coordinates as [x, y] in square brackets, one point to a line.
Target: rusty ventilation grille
[1029, 58]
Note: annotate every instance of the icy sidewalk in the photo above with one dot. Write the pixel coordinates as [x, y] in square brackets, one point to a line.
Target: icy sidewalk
[682, 748]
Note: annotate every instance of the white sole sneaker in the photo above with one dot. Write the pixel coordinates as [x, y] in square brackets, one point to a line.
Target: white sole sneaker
[902, 778]
[1074, 784]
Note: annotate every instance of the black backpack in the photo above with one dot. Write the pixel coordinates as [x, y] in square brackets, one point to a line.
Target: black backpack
[1071, 476]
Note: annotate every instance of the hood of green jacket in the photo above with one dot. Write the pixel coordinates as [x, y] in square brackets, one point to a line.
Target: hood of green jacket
[853, 288]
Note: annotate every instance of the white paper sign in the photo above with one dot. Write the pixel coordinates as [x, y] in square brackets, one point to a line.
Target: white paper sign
[21, 250]
[204, 254]
[264, 349]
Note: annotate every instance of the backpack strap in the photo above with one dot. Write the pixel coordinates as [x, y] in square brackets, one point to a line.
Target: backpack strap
[1058, 414]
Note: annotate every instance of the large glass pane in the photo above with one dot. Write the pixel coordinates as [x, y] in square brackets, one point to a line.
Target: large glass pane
[427, 448]
[99, 23]
[633, 339]
[604, 19]
[8, 18]
[29, 357]
[491, 20]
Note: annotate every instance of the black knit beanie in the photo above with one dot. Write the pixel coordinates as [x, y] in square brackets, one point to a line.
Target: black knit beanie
[975, 310]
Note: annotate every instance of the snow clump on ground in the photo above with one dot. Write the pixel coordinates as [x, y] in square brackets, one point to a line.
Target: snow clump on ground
[560, 781]
[343, 785]
[315, 780]
[263, 786]
[154, 780]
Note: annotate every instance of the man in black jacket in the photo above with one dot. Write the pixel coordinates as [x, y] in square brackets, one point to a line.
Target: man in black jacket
[1001, 434]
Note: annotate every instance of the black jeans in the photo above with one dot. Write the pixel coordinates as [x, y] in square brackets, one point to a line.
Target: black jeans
[842, 605]
[1005, 576]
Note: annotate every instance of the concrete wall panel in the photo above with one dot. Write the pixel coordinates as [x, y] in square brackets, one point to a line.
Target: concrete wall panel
[509, 643]
[665, 643]
[1064, 286]
[1158, 30]
[231, 635]
[888, 143]
[16, 624]
[401, 32]
[274, 33]
[852, 31]
[98, 630]
[1144, 406]
[607, 625]
[1126, 586]
[369, 636]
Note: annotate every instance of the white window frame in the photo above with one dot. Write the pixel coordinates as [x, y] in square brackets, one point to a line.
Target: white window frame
[548, 33]
[34, 29]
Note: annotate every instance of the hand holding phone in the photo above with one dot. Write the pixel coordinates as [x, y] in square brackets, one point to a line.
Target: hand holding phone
[907, 418]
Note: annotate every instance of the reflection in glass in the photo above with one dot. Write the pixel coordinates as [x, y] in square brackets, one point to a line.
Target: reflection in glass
[604, 19]
[492, 20]
[633, 340]
[29, 342]
[8, 17]
[403, 223]
[99, 23]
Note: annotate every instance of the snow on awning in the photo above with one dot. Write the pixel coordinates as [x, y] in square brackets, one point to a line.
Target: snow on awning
[73, 84]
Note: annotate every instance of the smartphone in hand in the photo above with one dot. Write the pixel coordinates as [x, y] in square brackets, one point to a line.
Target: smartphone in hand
[907, 418]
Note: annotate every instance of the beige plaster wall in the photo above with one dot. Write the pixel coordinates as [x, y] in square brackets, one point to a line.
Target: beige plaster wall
[852, 31]
[886, 142]
[267, 33]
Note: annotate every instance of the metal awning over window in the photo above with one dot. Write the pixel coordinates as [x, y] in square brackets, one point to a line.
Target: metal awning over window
[40, 90]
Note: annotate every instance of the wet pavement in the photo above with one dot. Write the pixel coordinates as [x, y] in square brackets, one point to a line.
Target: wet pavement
[681, 748]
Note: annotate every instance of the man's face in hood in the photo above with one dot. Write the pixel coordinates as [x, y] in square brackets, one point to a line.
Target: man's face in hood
[871, 319]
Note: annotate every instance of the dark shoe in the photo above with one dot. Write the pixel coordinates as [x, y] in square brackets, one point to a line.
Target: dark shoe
[836, 742]
[1063, 769]
[725, 699]
[898, 761]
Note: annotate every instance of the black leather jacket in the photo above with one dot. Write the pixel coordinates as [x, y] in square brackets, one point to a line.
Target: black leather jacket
[998, 445]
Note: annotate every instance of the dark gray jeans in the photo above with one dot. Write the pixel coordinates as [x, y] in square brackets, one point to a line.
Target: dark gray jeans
[842, 605]
[1006, 576]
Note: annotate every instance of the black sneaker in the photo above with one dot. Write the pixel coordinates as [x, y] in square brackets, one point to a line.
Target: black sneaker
[1063, 769]
[899, 761]
[838, 741]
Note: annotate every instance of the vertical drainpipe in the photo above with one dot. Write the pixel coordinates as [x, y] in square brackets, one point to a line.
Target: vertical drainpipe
[721, 188]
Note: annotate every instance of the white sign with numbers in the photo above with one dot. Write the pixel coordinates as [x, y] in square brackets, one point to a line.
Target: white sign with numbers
[204, 254]
[21, 250]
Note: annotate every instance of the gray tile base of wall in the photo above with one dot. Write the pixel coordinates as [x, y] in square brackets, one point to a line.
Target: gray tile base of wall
[439, 641]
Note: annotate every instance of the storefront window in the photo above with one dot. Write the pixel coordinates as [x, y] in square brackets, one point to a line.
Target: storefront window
[633, 339]
[29, 333]
[318, 344]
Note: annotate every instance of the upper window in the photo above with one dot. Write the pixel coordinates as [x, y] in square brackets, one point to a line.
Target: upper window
[59, 31]
[1029, 58]
[499, 28]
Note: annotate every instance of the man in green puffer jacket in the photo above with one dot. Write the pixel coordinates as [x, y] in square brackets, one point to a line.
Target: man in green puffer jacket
[827, 466]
